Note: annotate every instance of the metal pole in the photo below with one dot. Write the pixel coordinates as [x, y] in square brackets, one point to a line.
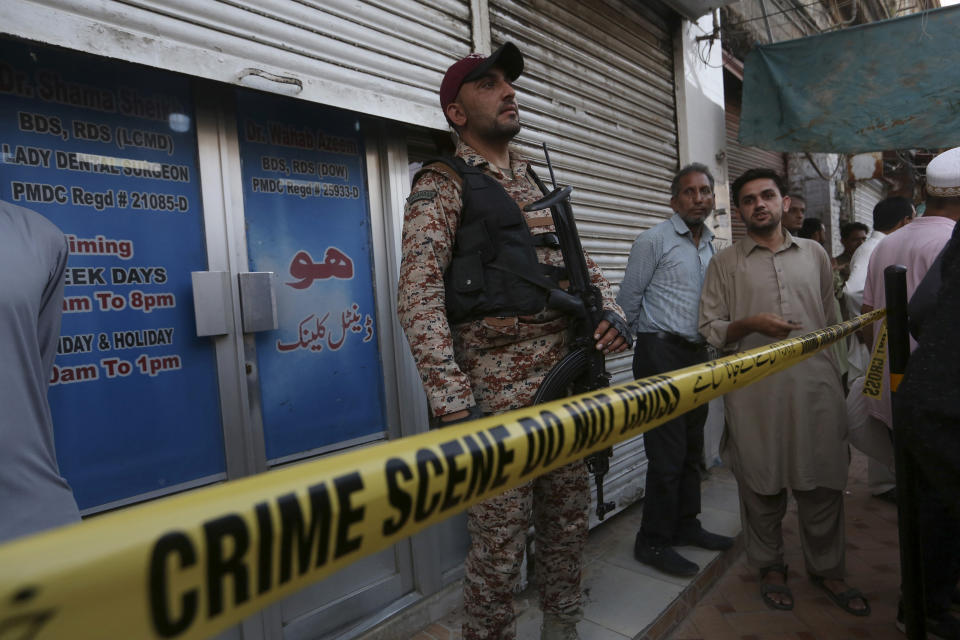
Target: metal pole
[898, 345]
[766, 22]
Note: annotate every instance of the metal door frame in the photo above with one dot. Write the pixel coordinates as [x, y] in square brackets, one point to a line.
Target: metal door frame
[417, 568]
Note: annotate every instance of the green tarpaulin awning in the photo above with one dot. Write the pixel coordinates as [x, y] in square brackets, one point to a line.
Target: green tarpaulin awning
[887, 85]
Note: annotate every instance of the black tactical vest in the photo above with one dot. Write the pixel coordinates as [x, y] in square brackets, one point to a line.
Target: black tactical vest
[494, 270]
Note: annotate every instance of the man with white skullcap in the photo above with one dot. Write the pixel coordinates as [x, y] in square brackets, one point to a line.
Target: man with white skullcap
[916, 246]
[943, 176]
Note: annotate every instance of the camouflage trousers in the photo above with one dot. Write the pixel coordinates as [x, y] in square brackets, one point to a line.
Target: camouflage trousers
[558, 502]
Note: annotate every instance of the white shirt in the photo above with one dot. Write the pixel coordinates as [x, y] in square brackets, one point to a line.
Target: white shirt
[853, 289]
[858, 355]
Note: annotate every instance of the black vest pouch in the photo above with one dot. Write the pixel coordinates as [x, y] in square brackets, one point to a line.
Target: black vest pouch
[515, 279]
[475, 247]
[493, 270]
[475, 238]
[466, 274]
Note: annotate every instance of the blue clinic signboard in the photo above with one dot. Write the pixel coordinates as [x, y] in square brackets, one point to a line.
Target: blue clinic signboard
[305, 198]
[107, 152]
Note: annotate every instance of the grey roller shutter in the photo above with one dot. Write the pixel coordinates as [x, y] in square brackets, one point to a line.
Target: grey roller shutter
[866, 195]
[741, 158]
[379, 57]
[599, 89]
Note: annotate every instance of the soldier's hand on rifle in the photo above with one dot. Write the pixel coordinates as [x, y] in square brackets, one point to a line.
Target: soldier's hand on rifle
[464, 415]
[609, 339]
[456, 416]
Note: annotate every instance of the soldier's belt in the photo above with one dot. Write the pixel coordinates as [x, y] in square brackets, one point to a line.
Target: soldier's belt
[192, 565]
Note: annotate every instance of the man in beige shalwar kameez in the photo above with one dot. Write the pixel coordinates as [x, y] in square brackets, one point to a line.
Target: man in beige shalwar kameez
[788, 431]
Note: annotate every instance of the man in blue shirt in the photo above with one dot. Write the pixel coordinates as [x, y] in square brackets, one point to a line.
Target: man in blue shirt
[660, 295]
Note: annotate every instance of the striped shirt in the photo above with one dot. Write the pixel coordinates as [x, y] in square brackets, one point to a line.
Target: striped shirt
[661, 288]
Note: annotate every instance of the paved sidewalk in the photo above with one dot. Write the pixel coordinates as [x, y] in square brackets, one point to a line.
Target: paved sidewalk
[625, 599]
[732, 610]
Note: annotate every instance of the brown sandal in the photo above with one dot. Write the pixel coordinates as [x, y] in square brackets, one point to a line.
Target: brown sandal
[769, 588]
[842, 598]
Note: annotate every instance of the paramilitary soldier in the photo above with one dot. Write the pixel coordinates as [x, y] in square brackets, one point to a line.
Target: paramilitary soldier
[474, 278]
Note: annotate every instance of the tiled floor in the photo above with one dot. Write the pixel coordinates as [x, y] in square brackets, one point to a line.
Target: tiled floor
[732, 609]
[628, 600]
[623, 597]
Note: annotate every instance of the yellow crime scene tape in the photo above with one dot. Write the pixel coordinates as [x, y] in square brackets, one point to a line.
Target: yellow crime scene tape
[192, 565]
[873, 381]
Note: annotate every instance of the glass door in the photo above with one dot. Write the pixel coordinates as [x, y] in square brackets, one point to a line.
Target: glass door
[108, 152]
[307, 219]
[174, 194]
[319, 375]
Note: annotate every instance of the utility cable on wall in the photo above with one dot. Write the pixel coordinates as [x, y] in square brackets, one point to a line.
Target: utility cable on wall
[796, 8]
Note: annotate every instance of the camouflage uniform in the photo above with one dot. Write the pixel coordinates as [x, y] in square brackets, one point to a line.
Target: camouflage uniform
[496, 364]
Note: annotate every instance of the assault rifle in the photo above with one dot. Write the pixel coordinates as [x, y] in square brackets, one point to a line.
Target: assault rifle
[584, 368]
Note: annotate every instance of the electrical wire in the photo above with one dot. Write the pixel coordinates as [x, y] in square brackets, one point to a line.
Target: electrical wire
[703, 54]
[791, 10]
[806, 16]
[837, 16]
[816, 168]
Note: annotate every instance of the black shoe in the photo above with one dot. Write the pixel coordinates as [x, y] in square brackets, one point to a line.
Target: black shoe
[890, 495]
[663, 558]
[704, 539]
[944, 627]
[939, 627]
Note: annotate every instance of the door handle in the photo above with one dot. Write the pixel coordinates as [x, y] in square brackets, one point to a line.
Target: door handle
[211, 300]
[258, 301]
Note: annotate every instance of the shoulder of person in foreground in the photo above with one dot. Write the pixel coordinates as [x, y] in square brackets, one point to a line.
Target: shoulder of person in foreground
[37, 235]
[31, 225]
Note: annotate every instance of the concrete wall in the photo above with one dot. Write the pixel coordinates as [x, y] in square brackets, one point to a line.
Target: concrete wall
[700, 122]
[701, 137]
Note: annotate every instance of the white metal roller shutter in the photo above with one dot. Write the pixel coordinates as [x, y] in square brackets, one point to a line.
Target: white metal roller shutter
[379, 57]
[866, 195]
[598, 88]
